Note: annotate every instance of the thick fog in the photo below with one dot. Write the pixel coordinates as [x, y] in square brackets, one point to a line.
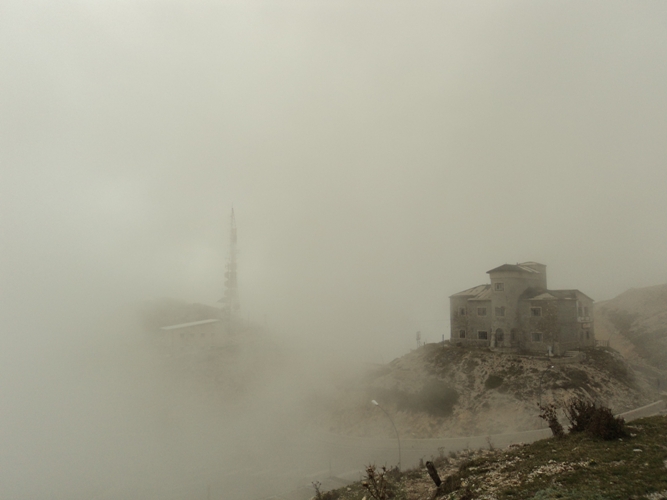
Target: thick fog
[379, 155]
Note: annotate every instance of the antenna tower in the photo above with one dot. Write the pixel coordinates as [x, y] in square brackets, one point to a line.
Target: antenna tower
[230, 300]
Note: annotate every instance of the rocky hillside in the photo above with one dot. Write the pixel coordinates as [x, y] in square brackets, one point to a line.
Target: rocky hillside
[577, 467]
[635, 323]
[444, 390]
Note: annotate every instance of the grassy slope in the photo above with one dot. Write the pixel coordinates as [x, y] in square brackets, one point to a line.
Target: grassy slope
[577, 467]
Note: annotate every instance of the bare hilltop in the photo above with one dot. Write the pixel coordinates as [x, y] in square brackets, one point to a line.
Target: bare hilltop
[446, 390]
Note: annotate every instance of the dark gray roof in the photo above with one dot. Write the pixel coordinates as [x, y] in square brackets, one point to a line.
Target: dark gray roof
[512, 268]
[475, 291]
[544, 294]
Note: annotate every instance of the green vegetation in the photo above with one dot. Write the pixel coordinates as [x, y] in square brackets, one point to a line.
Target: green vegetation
[549, 413]
[493, 381]
[578, 466]
[435, 398]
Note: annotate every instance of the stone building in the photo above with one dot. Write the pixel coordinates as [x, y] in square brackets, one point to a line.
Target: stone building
[517, 311]
[193, 335]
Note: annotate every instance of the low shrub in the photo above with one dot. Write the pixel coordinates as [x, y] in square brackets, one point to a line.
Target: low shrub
[435, 398]
[376, 483]
[579, 413]
[550, 414]
[493, 381]
[598, 421]
[604, 425]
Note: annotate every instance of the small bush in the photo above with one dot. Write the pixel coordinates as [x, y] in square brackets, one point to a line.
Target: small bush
[376, 483]
[493, 381]
[436, 398]
[579, 413]
[598, 421]
[550, 414]
[605, 425]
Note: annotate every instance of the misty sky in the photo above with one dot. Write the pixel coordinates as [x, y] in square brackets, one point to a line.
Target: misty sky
[380, 156]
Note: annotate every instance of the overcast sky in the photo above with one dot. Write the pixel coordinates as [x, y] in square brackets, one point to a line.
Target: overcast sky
[380, 155]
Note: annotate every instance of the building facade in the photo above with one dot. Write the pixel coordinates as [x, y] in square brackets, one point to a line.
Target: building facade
[517, 311]
[193, 335]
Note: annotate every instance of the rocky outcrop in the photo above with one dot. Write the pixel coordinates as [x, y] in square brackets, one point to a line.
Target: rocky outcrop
[444, 390]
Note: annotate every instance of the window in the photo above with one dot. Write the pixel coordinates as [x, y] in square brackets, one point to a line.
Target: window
[482, 335]
[481, 311]
[585, 311]
[500, 335]
[580, 311]
[462, 334]
[500, 311]
[537, 337]
[499, 287]
[588, 335]
[462, 311]
[536, 311]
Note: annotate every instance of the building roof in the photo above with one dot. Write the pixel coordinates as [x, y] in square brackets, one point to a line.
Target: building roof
[474, 292]
[518, 268]
[188, 325]
[544, 294]
[530, 263]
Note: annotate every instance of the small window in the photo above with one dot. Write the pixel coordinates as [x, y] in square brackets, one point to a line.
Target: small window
[536, 311]
[499, 287]
[481, 311]
[500, 311]
[537, 337]
[482, 335]
[462, 311]
[462, 334]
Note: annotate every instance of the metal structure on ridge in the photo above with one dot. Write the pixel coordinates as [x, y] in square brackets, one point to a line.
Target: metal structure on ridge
[230, 300]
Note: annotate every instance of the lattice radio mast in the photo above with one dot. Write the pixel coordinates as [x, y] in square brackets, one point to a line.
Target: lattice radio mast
[230, 300]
